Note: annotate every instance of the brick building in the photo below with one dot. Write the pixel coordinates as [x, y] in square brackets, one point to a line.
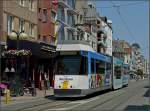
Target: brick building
[37, 19]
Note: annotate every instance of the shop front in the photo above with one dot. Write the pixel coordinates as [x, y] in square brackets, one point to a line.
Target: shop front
[33, 67]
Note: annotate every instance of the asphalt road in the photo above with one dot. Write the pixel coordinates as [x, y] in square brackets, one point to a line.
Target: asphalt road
[135, 97]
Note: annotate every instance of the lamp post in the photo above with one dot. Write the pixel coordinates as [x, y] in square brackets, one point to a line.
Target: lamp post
[17, 36]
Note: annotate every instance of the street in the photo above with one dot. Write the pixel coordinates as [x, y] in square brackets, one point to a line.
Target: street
[131, 98]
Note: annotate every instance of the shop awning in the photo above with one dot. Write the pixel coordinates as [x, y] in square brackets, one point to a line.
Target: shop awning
[39, 49]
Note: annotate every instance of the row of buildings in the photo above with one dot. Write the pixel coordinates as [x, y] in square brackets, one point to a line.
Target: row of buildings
[131, 54]
[53, 25]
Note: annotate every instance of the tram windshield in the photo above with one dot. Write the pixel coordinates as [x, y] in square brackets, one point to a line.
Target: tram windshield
[71, 65]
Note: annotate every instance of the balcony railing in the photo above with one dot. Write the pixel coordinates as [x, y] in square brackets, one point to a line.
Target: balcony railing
[63, 3]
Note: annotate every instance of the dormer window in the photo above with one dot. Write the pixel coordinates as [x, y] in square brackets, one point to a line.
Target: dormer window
[22, 2]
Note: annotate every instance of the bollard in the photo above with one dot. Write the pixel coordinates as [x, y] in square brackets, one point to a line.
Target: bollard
[7, 96]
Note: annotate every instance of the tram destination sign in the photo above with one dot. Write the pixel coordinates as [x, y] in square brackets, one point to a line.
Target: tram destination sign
[68, 53]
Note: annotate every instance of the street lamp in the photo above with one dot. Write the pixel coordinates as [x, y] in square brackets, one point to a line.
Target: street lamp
[17, 36]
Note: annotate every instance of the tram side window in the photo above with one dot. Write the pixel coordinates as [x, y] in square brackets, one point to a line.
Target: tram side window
[92, 66]
[108, 68]
[117, 71]
[100, 67]
[84, 66]
[126, 70]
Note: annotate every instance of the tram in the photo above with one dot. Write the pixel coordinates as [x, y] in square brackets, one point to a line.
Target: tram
[80, 73]
[125, 79]
[117, 73]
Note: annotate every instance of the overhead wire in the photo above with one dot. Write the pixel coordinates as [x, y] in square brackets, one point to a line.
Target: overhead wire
[121, 5]
[123, 20]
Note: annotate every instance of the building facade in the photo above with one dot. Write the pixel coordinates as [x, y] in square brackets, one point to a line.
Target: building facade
[136, 62]
[18, 16]
[67, 36]
[104, 35]
[85, 25]
[36, 18]
[122, 50]
[1, 22]
[47, 13]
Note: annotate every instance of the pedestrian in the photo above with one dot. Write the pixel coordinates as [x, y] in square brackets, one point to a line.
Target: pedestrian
[45, 80]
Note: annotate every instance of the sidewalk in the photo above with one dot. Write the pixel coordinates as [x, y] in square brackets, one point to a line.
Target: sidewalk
[27, 98]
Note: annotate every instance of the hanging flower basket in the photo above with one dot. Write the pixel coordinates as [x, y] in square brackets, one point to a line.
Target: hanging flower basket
[17, 53]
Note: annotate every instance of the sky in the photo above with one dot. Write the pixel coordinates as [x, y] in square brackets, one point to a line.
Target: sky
[132, 24]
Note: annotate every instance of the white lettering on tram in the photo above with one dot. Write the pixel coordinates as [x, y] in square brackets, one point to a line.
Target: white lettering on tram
[65, 78]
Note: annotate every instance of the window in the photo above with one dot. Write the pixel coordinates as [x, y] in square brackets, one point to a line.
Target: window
[92, 66]
[92, 44]
[52, 41]
[88, 37]
[61, 14]
[77, 18]
[53, 15]
[108, 69]
[45, 39]
[94, 29]
[71, 3]
[84, 66]
[61, 34]
[70, 35]
[31, 4]
[100, 67]
[39, 10]
[39, 37]
[126, 70]
[44, 15]
[117, 71]
[22, 2]
[21, 25]
[31, 29]
[68, 65]
[70, 19]
[81, 18]
[10, 24]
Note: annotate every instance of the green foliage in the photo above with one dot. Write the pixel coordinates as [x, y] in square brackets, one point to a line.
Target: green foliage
[139, 72]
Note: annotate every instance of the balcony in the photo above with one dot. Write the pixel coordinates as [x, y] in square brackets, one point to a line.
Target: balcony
[102, 43]
[72, 11]
[102, 31]
[90, 20]
[63, 3]
[77, 37]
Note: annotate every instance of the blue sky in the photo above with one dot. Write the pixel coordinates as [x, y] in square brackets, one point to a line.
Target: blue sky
[135, 14]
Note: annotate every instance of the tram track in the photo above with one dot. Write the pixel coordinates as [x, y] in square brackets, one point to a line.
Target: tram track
[56, 105]
[124, 97]
[37, 104]
[113, 99]
[74, 105]
[42, 107]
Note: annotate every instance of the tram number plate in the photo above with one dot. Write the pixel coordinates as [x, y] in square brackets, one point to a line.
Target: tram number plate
[65, 84]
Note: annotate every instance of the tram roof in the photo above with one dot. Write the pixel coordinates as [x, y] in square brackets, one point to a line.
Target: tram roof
[117, 61]
[96, 55]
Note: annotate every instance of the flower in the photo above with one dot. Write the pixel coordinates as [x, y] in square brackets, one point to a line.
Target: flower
[17, 53]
